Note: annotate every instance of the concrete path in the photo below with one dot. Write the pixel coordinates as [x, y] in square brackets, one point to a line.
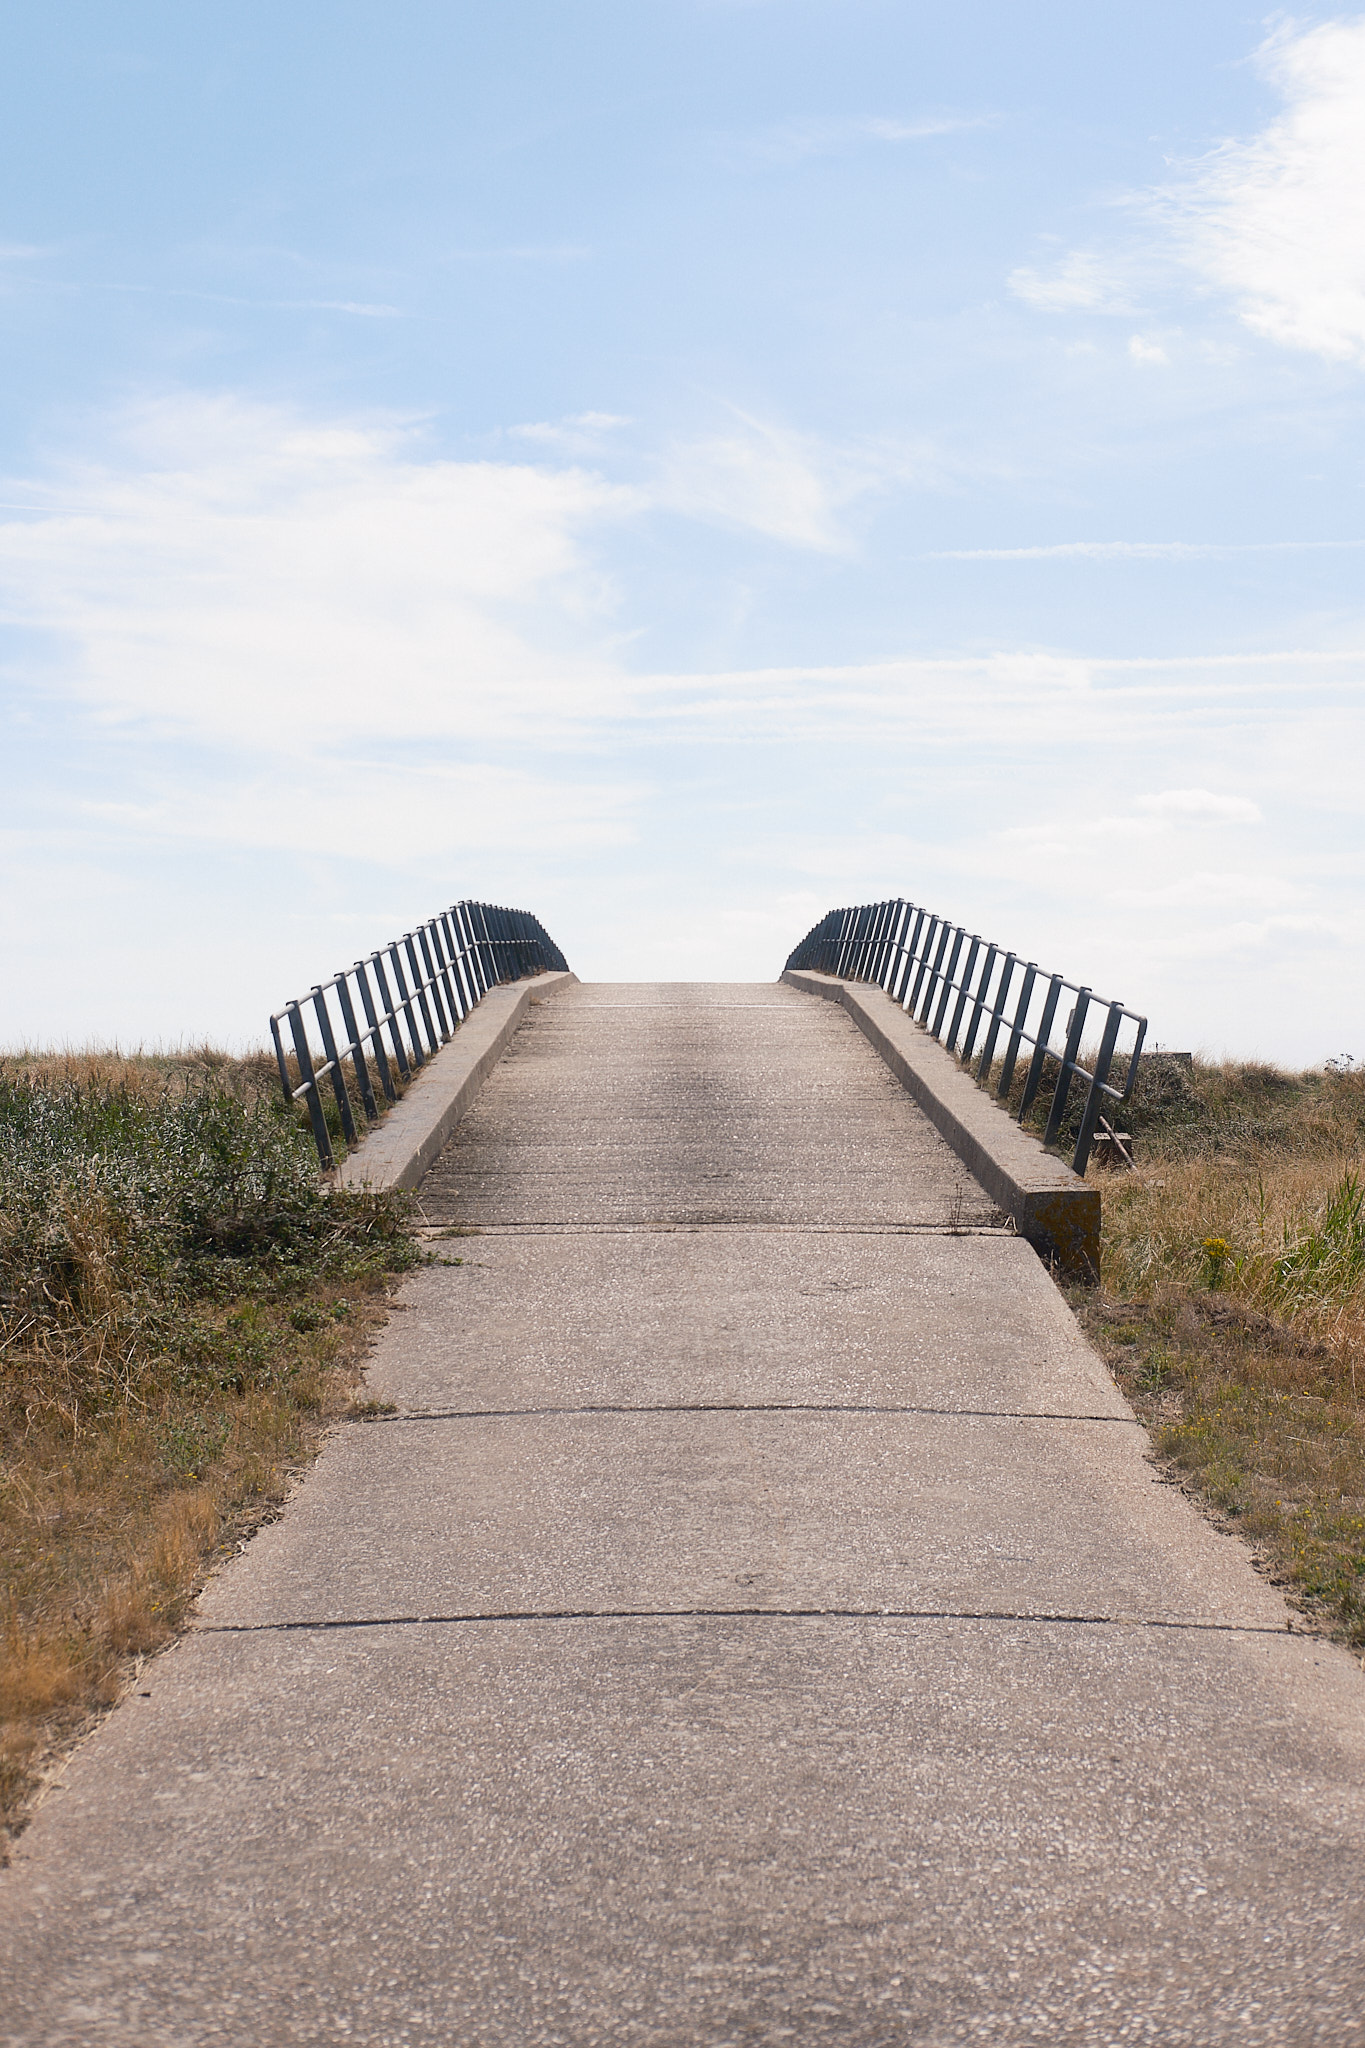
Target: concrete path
[757, 1624]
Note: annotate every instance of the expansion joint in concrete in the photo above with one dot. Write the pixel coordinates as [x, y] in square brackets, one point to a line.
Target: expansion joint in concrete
[750, 1226]
[739, 1408]
[474, 1618]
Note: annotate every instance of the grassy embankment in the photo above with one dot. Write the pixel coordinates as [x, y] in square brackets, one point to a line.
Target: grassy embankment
[182, 1308]
[1232, 1307]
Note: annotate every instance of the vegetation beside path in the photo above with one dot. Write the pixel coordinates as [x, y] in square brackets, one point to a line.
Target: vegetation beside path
[1232, 1308]
[182, 1309]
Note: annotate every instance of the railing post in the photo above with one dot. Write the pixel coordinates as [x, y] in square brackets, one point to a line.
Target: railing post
[391, 1017]
[405, 998]
[443, 1019]
[1073, 1046]
[1090, 1116]
[280, 1061]
[362, 1072]
[440, 939]
[478, 919]
[932, 986]
[334, 1073]
[469, 970]
[1041, 1048]
[1002, 994]
[362, 982]
[908, 945]
[964, 995]
[321, 1137]
[931, 933]
[419, 994]
[1017, 1030]
[958, 936]
[974, 1023]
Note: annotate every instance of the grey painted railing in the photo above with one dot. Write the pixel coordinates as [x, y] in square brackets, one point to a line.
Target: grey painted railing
[959, 987]
[412, 994]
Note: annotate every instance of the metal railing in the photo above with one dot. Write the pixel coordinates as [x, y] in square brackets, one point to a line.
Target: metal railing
[415, 992]
[956, 985]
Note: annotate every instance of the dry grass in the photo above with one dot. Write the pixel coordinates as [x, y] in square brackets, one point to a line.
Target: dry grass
[182, 1309]
[1232, 1309]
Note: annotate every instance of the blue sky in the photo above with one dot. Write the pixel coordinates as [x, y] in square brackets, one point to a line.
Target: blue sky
[677, 465]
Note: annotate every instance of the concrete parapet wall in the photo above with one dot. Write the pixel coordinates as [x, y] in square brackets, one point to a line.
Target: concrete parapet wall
[1048, 1204]
[398, 1151]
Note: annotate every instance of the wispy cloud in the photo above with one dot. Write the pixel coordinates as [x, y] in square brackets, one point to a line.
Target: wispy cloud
[1278, 222]
[1139, 550]
[364, 309]
[791, 141]
[330, 805]
[1083, 282]
[1275, 223]
[1211, 889]
[773, 480]
[234, 570]
[1206, 805]
[520, 252]
[579, 433]
[361, 308]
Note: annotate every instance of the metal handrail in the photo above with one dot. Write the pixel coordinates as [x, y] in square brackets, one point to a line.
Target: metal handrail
[440, 971]
[918, 958]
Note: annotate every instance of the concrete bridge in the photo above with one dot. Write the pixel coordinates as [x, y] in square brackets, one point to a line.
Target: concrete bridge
[756, 1622]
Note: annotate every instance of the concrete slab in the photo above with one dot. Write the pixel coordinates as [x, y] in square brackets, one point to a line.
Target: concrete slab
[706, 1103]
[701, 1315]
[735, 1831]
[638, 1512]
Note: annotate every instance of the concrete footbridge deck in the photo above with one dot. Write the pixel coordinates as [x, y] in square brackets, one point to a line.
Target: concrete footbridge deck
[757, 1621]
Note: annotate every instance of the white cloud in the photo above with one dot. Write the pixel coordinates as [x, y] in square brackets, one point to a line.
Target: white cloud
[769, 479]
[1084, 282]
[1274, 222]
[395, 813]
[580, 433]
[237, 572]
[1138, 550]
[1208, 891]
[791, 141]
[1204, 805]
[1278, 222]
[362, 309]
[1279, 935]
[925, 127]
